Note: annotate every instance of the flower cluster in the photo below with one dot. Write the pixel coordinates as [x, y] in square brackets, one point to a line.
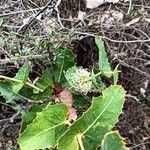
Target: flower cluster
[81, 80]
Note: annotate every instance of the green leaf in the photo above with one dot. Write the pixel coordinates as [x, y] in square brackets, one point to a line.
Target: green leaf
[46, 84]
[30, 115]
[45, 129]
[104, 65]
[22, 75]
[68, 75]
[113, 141]
[96, 122]
[97, 82]
[64, 59]
[7, 92]
[80, 101]
[116, 75]
[46, 80]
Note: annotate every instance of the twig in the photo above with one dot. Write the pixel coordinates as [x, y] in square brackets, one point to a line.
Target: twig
[19, 12]
[11, 119]
[133, 97]
[5, 104]
[123, 4]
[134, 68]
[24, 27]
[20, 81]
[38, 102]
[22, 58]
[112, 40]
[130, 6]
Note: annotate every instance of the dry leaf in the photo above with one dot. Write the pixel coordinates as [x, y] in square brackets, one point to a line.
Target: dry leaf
[72, 114]
[133, 21]
[81, 15]
[148, 20]
[95, 3]
[65, 97]
[111, 17]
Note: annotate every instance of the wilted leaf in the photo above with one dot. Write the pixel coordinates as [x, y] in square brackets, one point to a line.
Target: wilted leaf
[72, 114]
[65, 97]
[113, 141]
[22, 75]
[104, 65]
[96, 122]
[45, 129]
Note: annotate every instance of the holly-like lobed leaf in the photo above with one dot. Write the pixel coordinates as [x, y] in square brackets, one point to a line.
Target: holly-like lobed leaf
[113, 141]
[64, 59]
[45, 129]
[96, 122]
[22, 75]
[104, 65]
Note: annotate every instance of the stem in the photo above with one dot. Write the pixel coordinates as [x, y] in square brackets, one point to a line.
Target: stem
[79, 137]
[99, 73]
[20, 81]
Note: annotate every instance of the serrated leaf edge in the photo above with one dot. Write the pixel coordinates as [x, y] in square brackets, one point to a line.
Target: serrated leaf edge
[101, 96]
[122, 139]
[38, 114]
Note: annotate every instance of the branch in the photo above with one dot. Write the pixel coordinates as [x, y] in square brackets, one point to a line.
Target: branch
[19, 12]
[24, 27]
[22, 58]
[112, 40]
[11, 119]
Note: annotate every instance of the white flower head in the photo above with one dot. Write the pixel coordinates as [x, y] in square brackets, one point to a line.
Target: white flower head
[80, 79]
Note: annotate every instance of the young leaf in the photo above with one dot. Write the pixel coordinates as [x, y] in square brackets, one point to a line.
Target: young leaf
[89, 130]
[22, 75]
[64, 59]
[113, 141]
[45, 129]
[104, 65]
